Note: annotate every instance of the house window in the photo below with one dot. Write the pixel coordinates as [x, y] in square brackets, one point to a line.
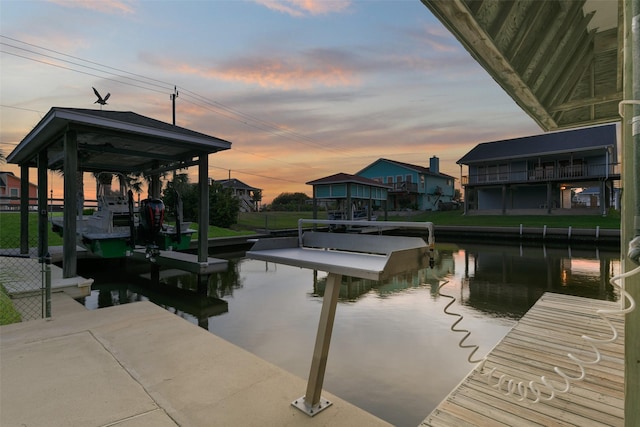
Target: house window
[399, 178]
[389, 180]
[482, 174]
[492, 173]
[14, 192]
[422, 181]
[408, 178]
[503, 172]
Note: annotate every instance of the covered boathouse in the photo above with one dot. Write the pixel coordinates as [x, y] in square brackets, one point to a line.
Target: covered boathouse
[84, 140]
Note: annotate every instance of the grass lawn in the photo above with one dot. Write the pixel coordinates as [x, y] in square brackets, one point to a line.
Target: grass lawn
[273, 220]
[8, 314]
[10, 231]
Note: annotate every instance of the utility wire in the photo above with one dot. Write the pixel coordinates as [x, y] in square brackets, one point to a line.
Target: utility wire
[159, 86]
[262, 125]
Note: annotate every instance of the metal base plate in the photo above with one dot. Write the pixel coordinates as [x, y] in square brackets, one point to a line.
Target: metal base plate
[311, 410]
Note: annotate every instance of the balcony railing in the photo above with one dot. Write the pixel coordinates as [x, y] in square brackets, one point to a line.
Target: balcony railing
[404, 186]
[545, 173]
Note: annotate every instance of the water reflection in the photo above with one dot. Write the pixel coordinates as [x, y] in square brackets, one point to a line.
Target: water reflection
[504, 282]
[392, 351]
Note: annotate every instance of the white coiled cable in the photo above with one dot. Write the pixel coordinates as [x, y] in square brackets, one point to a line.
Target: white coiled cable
[454, 328]
[522, 389]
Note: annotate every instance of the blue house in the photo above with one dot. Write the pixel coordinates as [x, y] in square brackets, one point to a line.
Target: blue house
[539, 172]
[413, 186]
[354, 197]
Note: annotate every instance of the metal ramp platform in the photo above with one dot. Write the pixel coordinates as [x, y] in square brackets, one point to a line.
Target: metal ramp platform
[183, 261]
[363, 256]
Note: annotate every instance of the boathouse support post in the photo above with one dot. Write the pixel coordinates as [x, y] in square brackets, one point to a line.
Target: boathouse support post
[603, 198]
[630, 221]
[43, 242]
[312, 403]
[349, 210]
[203, 214]
[24, 209]
[70, 168]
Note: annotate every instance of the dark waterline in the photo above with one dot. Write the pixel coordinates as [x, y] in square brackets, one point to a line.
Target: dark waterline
[392, 351]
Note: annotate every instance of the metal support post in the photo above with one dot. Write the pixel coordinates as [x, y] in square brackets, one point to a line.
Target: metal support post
[312, 402]
[46, 280]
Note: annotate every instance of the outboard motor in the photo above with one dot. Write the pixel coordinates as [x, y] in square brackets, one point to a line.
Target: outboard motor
[151, 218]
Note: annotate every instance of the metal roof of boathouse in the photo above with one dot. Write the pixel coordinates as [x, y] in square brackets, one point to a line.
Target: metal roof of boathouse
[121, 141]
[341, 178]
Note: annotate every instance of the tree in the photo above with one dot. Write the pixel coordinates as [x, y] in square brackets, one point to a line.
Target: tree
[223, 206]
[291, 202]
[188, 193]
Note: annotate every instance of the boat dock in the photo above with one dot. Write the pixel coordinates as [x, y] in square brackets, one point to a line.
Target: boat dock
[540, 341]
[138, 364]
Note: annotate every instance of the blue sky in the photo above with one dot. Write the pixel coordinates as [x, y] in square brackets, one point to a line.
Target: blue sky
[302, 88]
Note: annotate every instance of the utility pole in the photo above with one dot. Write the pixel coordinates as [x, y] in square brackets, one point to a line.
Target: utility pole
[173, 97]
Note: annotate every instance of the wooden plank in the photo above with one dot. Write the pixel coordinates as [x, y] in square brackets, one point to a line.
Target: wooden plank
[539, 342]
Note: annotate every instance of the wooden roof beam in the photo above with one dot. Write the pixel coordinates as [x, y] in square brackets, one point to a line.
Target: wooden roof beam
[580, 60]
[551, 71]
[507, 17]
[548, 45]
[527, 40]
[585, 102]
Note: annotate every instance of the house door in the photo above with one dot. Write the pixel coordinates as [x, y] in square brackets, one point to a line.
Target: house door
[565, 198]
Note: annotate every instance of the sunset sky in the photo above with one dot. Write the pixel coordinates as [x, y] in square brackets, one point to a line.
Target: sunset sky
[302, 88]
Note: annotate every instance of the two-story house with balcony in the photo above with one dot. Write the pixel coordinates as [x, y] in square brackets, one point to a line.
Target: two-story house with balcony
[412, 186]
[539, 172]
[249, 197]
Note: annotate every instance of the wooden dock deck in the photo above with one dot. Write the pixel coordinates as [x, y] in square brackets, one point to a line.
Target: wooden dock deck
[539, 342]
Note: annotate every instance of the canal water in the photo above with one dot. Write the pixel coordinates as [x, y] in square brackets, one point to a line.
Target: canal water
[393, 352]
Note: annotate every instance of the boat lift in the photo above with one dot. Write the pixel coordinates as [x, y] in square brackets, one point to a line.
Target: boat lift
[366, 256]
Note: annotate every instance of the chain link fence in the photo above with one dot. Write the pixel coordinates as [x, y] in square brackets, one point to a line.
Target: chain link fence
[23, 276]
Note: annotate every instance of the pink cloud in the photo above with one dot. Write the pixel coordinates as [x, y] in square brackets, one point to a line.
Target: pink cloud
[282, 73]
[306, 7]
[102, 6]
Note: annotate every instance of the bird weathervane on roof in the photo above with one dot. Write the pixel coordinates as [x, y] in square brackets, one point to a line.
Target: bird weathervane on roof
[101, 101]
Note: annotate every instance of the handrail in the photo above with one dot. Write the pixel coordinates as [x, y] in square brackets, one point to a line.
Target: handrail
[378, 224]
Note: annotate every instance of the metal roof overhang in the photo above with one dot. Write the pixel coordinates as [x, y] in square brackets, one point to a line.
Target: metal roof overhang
[114, 141]
[561, 61]
[546, 154]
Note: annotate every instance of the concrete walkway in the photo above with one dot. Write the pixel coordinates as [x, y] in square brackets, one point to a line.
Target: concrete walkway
[139, 365]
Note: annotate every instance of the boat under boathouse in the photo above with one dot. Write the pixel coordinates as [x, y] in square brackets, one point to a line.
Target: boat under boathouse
[84, 140]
